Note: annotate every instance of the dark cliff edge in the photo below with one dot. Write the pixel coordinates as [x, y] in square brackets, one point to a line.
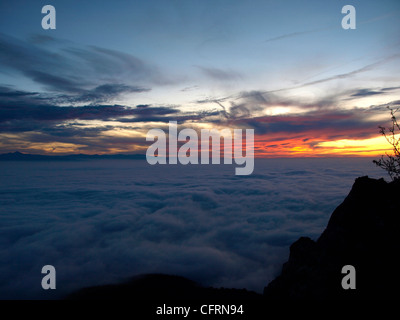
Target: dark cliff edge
[363, 232]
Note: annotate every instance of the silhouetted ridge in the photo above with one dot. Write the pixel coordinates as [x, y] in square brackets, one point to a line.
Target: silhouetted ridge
[160, 287]
[18, 156]
[363, 231]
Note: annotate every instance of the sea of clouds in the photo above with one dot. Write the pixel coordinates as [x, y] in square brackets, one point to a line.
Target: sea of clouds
[104, 221]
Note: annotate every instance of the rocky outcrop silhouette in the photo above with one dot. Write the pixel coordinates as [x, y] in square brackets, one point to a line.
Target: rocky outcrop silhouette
[363, 232]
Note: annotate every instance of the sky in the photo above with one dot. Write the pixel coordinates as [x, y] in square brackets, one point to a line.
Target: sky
[112, 70]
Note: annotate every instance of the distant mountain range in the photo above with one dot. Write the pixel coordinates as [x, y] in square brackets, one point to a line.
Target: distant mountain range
[18, 156]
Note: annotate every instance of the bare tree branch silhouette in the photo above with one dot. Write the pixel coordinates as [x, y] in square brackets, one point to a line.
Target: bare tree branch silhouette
[391, 162]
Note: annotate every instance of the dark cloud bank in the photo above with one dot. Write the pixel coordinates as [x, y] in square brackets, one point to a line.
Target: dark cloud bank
[104, 221]
[39, 117]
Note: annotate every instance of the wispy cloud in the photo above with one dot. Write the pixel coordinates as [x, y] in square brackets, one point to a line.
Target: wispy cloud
[366, 68]
[371, 92]
[84, 73]
[295, 34]
[220, 74]
[331, 27]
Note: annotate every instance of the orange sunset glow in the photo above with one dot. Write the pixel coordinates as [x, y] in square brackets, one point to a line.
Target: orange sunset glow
[371, 147]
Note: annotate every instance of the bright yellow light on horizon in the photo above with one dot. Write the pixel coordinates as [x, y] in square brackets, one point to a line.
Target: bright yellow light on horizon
[366, 147]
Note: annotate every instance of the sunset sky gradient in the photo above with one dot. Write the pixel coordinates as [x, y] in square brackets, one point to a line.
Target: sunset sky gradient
[112, 70]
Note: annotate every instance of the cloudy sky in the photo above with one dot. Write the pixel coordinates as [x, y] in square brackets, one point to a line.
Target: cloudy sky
[112, 70]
